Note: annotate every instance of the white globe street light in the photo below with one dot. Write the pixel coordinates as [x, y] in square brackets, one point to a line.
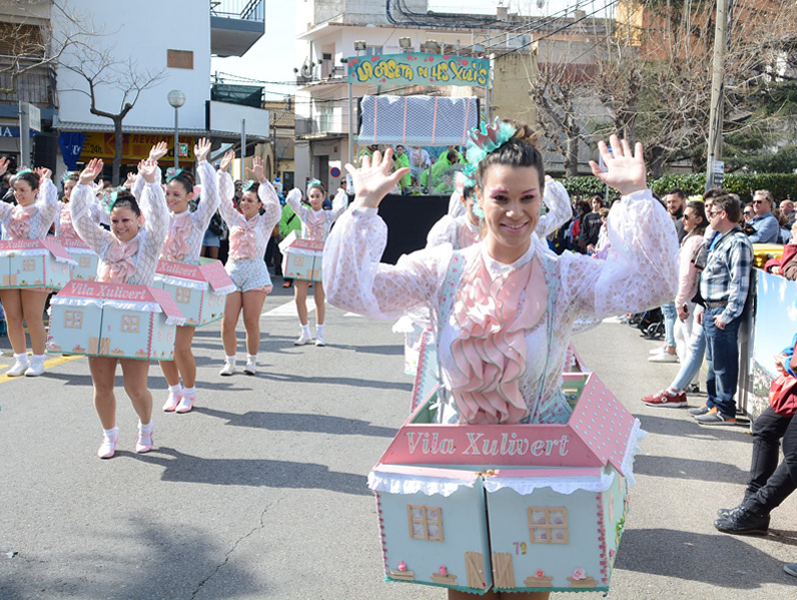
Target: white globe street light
[176, 98]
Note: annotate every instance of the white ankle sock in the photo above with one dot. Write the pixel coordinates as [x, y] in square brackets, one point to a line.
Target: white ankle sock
[112, 433]
[175, 389]
[230, 359]
[21, 358]
[189, 392]
[145, 429]
[306, 329]
[38, 357]
[319, 327]
[251, 358]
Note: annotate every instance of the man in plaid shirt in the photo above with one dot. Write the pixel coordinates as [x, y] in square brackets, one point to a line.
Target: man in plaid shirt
[724, 284]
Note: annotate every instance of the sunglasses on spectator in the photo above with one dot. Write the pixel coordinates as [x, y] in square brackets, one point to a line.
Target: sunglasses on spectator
[748, 212]
[758, 201]
[714, 213]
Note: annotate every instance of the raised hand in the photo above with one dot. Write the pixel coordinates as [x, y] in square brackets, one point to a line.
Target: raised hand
[158, 151]
[202, 149]
[148, 169]
[3, 166]
[257, 169]
[130, 181]
[373, 180]
[43, 173]
[226, 160]
[91, 171]
[626, 169]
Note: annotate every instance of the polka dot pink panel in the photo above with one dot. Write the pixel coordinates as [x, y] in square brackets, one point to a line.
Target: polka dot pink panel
[603, 423]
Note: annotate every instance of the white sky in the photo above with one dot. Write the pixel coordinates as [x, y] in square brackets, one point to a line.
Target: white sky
[271, 58]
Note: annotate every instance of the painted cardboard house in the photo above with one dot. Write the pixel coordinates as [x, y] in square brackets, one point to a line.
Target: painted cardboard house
[113, 319]
[301, 258]
[198, 290]
[86, 260]
[513, 507]
[34, 263]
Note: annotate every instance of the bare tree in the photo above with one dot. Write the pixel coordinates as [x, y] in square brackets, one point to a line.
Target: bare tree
[99, 69]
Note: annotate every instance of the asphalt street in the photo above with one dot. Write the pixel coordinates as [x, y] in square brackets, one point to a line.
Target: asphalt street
[260, 491]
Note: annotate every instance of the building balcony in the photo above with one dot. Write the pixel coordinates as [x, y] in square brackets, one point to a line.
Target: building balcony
[36, 85]
[235, 25]
[322, 126]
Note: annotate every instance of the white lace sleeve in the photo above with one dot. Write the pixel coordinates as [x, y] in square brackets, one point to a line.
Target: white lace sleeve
[560, 211]
[209, 201]
[47, 204]
[156, 224]
[138, 186]
[5, 210]
[85, 225]
[641, 270]
[442, 232]
[355, 280]
[271, 206]
[294, 200]
[339, 205]
[226, 206]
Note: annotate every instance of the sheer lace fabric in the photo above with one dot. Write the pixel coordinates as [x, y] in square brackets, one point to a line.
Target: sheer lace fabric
[316, 223]
[38, 217]
[248, 239]
[640, 272]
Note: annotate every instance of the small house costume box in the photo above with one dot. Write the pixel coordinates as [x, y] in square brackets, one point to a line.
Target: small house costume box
[34, 263]
[518, 508]
[85, 267]
[301, 258]
[118, 320]
[198, 290]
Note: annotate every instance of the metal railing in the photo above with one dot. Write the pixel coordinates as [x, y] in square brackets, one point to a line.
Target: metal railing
[246, 10]
[36, 86]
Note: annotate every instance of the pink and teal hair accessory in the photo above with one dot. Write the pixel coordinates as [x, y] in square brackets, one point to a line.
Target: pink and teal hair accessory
[171, 173]
[23, 171]
[249, 185]
[67, 175]
[314, 183]
[108, 199]
[487, 138]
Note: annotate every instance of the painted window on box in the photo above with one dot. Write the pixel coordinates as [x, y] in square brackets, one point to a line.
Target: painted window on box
[426, 522]
[130, 323]
[28, 264]
[73, 319]
[84, 262]
[182, 295]
[548, 525]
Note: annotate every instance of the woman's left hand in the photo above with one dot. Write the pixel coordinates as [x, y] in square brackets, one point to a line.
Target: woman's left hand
[625, 169]
[373, 180]
[257, 169]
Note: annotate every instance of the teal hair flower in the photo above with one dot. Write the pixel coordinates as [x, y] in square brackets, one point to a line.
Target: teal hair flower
[486, 138]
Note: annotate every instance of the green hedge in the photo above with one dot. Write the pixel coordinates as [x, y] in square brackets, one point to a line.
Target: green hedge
[782, 185]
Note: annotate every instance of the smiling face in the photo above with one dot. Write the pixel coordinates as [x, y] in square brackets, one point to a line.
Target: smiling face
[511, 200]
[316, 198]
[177, 198]
[124, 223]
[250, 204]
[24, 193]
[69, 185]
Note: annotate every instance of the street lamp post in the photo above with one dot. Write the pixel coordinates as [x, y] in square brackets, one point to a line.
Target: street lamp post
[176, 98]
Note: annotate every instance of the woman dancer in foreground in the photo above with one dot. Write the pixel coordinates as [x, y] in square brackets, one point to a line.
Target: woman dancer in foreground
[128, 254]
[505, 308]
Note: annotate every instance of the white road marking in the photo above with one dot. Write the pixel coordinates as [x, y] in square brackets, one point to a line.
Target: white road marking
[351, 314]
[286, 310]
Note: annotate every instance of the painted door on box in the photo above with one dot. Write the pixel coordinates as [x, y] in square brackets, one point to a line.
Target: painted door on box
[503, 570]
[474, 570]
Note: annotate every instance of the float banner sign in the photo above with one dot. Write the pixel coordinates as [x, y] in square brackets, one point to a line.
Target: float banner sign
[419, 68]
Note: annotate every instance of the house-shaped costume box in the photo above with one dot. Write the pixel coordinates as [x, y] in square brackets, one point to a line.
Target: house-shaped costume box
[113, 319]
[513, 507]
[301, 258]
[86, 260]
[34, 263]
[198, 290]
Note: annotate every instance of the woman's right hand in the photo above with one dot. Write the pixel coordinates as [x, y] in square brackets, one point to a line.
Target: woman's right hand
[373, 180]
[625, 170]
[158, 151]
[226, 160]
[91, 171]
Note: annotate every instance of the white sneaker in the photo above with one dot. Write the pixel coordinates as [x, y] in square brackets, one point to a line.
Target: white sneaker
[171, 402]
[319, 339]
[228, 369]
[108, 447]
[36, 367]
[303, 340]
[19, 368]
[659, 350]
[251, 367]
[664, 357]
